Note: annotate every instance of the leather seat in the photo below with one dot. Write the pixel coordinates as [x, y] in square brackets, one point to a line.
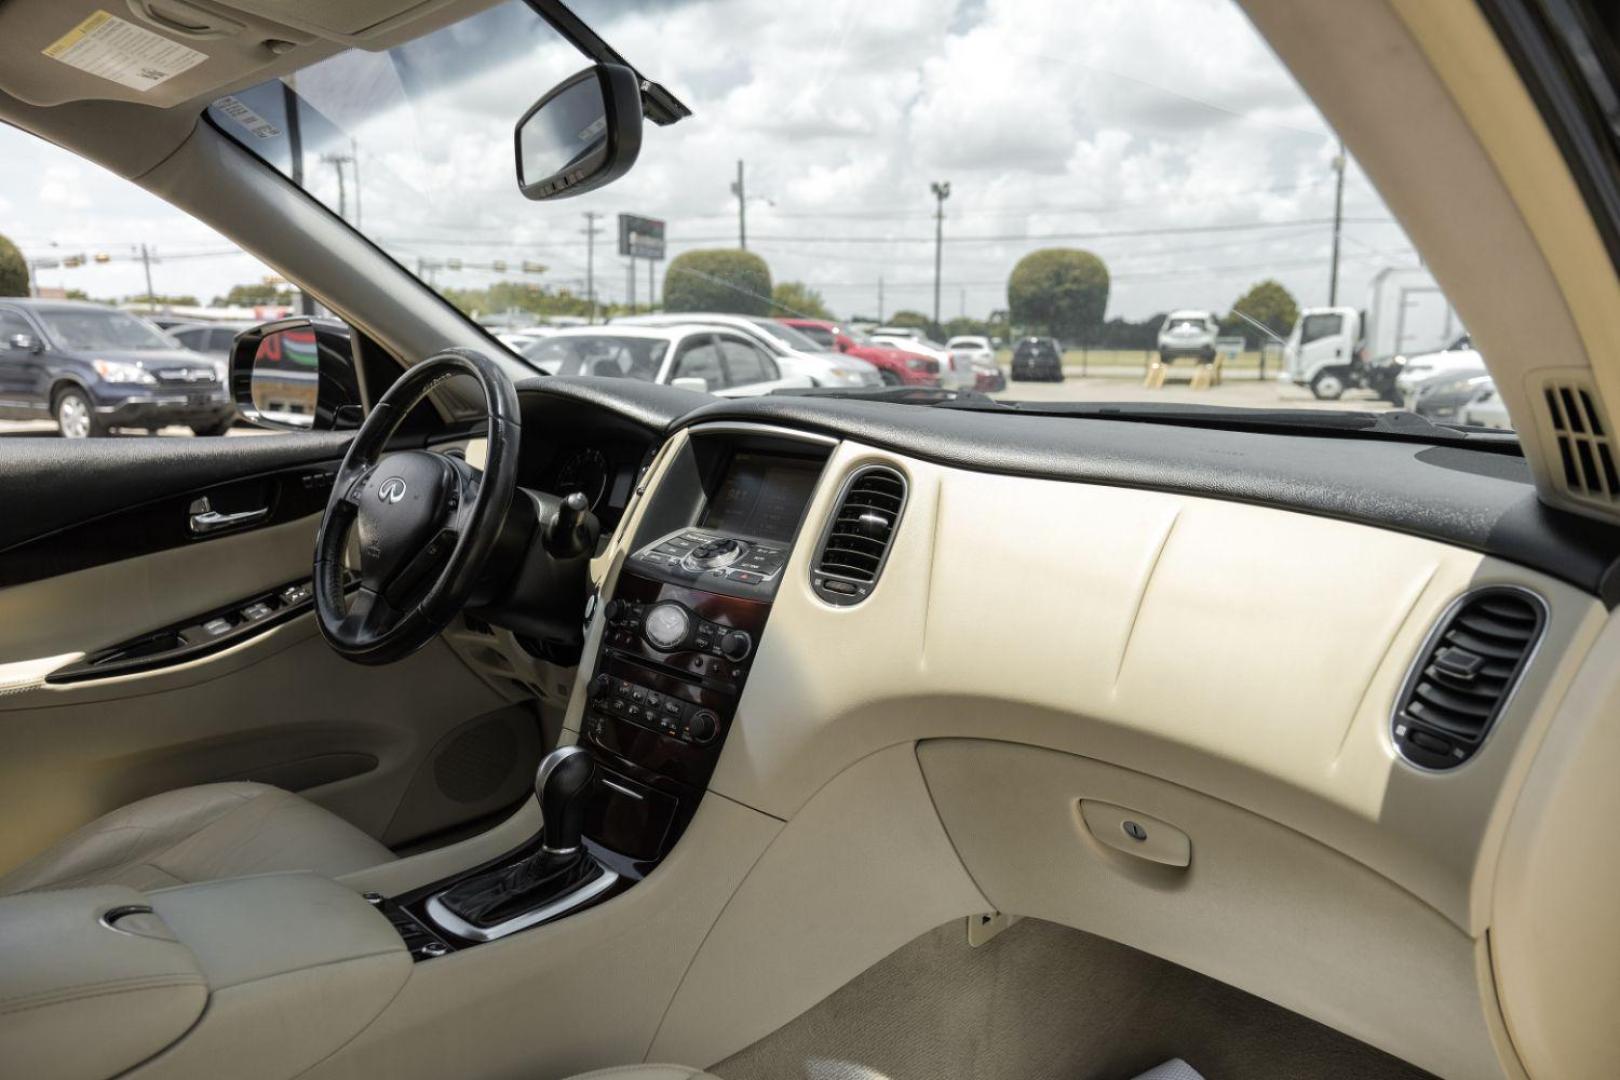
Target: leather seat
[200, 833]
[647, 1072]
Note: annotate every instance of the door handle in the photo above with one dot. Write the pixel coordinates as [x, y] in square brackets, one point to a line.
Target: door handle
[205, 519]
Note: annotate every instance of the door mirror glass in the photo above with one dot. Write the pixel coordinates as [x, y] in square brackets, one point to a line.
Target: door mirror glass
[583, 134]
[24, 342]
[286, 378]
[296, 374]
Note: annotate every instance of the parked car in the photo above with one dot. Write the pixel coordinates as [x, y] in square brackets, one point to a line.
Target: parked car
[794, 353]
[212, 339]
[1445, 398]
[1487, 409]
[1460, 355]
[1334, 349]
[92, 368]
[980, 355]
[1038, 359]
[952, 374]
[897, 367]
[520, 340]
[1188, 334]
[716, 359]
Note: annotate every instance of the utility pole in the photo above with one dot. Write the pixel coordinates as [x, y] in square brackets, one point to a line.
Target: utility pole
[880, 299]
[1338, 217]
[337, 161]
[354, 163]
[632, 279]
[942, 191]
[738, 190]
[652, 264]
[590, 231]
[146, 263]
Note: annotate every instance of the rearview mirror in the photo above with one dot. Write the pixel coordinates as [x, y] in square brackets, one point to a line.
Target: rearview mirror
[296, 374]
[583, 134]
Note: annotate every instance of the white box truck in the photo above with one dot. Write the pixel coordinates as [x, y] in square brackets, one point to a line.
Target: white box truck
[1334, 349]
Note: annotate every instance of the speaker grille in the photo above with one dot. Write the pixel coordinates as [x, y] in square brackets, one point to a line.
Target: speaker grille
[477, 761]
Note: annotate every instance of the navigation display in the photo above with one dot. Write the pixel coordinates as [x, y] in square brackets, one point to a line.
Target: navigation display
[762, 496]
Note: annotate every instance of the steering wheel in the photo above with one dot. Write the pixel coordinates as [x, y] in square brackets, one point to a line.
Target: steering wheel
[425, 522]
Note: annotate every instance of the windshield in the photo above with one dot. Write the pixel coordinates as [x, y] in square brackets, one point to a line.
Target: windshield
[89, 328]
[600, 354]
[1163, 163]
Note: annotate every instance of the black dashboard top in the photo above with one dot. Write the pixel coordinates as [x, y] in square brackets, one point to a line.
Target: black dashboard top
[1477, 499]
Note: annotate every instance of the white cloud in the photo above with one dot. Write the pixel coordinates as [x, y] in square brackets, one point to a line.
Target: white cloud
[1049, 118]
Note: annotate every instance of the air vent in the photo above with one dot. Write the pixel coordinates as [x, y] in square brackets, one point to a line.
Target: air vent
[1466, 673]
[1585, 452]
[856, 543]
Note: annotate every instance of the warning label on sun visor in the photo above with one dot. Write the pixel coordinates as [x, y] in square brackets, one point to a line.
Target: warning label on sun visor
[116, 49]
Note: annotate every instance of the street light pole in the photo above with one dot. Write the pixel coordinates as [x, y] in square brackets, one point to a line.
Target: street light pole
[942, 191]
[1338, 218]
[590, 259]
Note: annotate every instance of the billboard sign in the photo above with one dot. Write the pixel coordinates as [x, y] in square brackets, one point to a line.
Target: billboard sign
[641, 238]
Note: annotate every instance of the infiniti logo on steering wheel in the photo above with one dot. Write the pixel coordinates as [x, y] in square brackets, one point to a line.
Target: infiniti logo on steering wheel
[392, 490]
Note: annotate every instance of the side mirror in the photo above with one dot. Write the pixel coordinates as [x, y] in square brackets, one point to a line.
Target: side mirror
[691, 382]
[26, 343]
[583, 134]
[843, 343]
[296, 374]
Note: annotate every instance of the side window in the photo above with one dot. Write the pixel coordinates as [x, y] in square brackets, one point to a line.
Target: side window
[1318, 327]
[12, 324]
[700, 359]
[221, 339]
[192, 338]
[745, 363]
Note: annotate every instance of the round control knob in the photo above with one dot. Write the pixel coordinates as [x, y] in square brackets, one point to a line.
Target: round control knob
[667, 626]
[736, 645]
[615, 608]
[716, 553]
[598, 687]
[704, 726]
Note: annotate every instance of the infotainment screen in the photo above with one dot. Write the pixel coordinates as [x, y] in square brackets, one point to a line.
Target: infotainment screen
[762, 495]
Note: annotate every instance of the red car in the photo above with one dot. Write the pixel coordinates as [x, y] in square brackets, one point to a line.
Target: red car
[898, 367]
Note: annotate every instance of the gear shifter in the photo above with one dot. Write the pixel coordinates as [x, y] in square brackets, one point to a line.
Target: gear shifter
[513, 895]
[561, 784]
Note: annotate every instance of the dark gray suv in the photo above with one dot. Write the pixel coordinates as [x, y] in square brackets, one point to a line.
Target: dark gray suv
[92, 368]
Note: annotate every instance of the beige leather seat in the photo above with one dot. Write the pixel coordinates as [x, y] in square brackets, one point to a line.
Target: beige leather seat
[200, 834]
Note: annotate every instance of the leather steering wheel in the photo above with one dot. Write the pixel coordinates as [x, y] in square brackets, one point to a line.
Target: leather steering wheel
[425, 522]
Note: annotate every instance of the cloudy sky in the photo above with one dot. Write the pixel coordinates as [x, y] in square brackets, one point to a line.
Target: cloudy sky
[1161, 134]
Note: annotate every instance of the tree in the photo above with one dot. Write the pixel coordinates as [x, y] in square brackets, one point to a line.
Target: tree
[13, 270]
[160, 300]
[1063, 291]
[797, 298]
[718, 279]
[1268, 303]
[255, 295]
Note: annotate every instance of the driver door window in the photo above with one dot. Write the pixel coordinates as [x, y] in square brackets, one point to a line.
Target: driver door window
[745, 363]
[699, 358]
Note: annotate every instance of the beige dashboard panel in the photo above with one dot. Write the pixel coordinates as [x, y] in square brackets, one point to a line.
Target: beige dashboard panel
[1250, 653]
[1259, 906]
[1555, 941]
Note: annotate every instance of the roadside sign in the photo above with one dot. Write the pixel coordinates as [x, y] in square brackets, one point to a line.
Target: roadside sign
[641, 238]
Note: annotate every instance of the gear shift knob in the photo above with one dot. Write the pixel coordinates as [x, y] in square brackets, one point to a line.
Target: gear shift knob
[561, 785]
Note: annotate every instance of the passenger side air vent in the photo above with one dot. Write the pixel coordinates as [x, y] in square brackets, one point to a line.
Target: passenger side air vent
[1586, 461]
[856, 543]
[1465, 675]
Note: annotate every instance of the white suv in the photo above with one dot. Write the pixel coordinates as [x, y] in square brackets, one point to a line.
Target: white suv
[1188, 333]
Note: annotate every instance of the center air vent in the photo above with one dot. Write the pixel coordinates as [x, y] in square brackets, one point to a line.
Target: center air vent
[856, 543]
[1465, 675]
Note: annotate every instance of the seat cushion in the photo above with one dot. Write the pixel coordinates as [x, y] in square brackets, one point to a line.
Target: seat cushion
[201, 834]
[647, 1072]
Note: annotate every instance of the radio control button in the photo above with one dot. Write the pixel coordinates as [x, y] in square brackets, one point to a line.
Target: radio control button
[667, 626]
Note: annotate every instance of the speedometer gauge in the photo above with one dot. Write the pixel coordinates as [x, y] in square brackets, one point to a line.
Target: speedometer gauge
[585, 471]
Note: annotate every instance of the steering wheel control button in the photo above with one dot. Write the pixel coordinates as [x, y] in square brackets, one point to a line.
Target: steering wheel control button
[667, 626]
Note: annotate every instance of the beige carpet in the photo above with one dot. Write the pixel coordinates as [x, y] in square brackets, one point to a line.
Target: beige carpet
[1044, 1001]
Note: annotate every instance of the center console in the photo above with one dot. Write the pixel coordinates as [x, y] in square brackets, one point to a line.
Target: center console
[679, 635]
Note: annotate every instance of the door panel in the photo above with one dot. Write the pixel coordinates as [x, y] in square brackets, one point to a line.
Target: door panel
[99, 552]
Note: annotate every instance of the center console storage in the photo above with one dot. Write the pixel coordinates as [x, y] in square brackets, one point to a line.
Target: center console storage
[96, 980]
